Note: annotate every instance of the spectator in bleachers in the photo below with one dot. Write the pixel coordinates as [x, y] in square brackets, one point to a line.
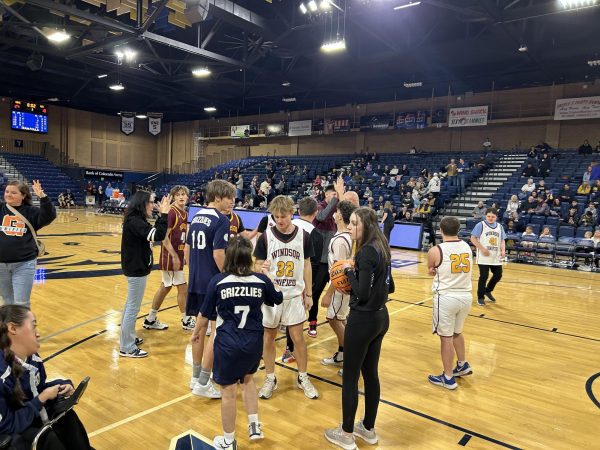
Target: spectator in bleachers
[405, 172]
[462, 169]
[530, 205]
[528, 233]
[70, 199]
[479, 211]
[542, 208]
[394, 171]
[435, 185]
[407, 216]
[357, 178]
[239, 187]
[108, 192]
[481, 164]
[513, 205]
[280, 185]
[592, 207]
[532, 154]
[392, 183]
[487, 144]
[407, 200]
[317, 181]
[527, 189]
[571, 218]
[566, 194]
[587, 174]
[62, 201]
[530, 171]
[452, 173]
[585, 148]
[587, 219]
[544, 166]
[584, 188]
[382, 182]
[555, 208]
[596, 237]
[368, 193]
[545, 234]
[541, 189]
[416, 197]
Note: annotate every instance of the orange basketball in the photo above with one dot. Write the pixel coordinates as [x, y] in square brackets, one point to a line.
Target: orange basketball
[338, 277]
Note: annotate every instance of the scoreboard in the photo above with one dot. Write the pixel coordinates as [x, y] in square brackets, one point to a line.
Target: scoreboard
[29, 116]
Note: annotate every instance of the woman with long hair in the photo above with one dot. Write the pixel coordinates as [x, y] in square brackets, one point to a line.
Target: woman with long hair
[237, 297]
[137, 261]
[26, 397]
[366, 326]
[18, 248]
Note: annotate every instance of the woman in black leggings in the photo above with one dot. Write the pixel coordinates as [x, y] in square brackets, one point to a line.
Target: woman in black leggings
[366, 326]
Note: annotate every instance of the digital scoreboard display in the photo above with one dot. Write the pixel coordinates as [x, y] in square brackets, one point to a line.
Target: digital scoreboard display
[29, 116]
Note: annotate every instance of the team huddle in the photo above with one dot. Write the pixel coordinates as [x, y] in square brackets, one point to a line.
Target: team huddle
[240, 295]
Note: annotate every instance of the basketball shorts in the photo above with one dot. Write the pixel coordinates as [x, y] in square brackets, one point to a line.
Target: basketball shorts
[290, 312]
[339, 307]
[194, 305]
[236, 356]
[450, 309]
[172, 278]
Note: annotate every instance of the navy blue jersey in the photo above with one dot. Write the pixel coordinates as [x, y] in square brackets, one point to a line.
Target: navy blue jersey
[208, 231]
[238, 301]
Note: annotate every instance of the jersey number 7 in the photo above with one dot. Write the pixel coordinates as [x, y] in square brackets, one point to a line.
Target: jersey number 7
[244, 310]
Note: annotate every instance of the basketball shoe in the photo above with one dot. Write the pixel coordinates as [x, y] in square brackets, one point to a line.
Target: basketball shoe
[221, 444]
[312, 328]
[288, 356]
[266, 391]
[461, 371]
[369, 436]
[255, 431]
[309, 390]
[208, 390]
[154, 325]
[441, 380]
[188, 324]
[333, 360]
[338, 437]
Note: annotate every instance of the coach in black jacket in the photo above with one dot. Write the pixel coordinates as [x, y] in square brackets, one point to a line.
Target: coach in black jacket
[137, 261]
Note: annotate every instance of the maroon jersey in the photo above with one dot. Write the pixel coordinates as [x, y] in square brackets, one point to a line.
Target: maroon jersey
[235, 224]
[177, 223]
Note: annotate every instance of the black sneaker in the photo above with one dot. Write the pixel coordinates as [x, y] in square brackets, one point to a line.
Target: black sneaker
[139, 341]
[490, 297]
[137, 353]
[481, 301]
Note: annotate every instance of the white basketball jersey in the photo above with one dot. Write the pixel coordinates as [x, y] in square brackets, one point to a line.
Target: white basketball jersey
[304, 224]
[340, 247]
[454, 273]
[287, 261]
[270, 221]
[491, 239]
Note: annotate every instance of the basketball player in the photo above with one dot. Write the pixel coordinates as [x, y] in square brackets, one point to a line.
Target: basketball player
[338, 304]
[172, 262]
[450, 263]
[236, 297]
[489, 238]
[285, 251]
[205, 251]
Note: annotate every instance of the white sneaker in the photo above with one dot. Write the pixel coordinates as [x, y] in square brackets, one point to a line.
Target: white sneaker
[193, 382]
[221, 444]
[208, 390]
[309, 390]
[154, 325]
[255, 431]
[338, 437]
[208, 330]
[266, 391]
[188, 324]
[333, 361]
[369, 436]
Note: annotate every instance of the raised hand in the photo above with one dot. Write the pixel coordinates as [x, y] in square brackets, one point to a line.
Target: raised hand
[37, 188]
[339, 187]
[165, 204]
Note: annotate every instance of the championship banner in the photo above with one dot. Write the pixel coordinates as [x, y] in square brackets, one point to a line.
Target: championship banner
[155, 123]
[410, 121]
[127, 122]
[376, 122]
[300, 128]
[470, 116]
[274, 129]
[577, 108]
[240, 131]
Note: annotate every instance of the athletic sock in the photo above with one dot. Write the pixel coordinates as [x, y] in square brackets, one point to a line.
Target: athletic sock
[447, 377]
[252, 418]
[229, 437]
[196, 368]
[302, 375]
[271, 376]
[152, 315]
[460, 363]
[204, 376]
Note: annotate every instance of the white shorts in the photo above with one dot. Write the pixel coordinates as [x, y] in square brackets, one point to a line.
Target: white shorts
[450, 311]
[290, 312]
[172, 278]
[339, 307]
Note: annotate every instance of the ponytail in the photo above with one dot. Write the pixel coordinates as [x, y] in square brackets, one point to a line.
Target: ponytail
[12, 314]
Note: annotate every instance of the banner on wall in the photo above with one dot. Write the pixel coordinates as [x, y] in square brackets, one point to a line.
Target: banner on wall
[107, 174]
[155, 123]
[421, 120]
[411, 120]
[127, 122]
[240, 131]
[577, 108]
[439, 116]
[274, 129]
[300, 128]
[376, 122]
[332, 126]
[470, 116]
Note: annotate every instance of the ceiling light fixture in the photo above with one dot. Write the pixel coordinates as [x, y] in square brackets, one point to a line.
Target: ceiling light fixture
[103, 75]
[413, 84]
[325, 5]
[288, 99]
[523, 48]
[58, 36]
[334, 46]
[574, 4]
[116, 87]
[286, 83]
[407, 5]
[141, 116]
[201, 72]
[303, 8]
[210, 109]
[130, 54]
[312, 5]
[594, 62]
[119, 54]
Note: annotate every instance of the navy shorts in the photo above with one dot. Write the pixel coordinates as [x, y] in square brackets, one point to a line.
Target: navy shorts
[236, 355]
[194, 305]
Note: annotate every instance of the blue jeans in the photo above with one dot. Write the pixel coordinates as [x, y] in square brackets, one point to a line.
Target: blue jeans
[16, 281]
[135, 292]
[461, 183]
[452, 181]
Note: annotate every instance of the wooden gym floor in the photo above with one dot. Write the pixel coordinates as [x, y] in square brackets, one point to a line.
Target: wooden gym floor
[535, 355]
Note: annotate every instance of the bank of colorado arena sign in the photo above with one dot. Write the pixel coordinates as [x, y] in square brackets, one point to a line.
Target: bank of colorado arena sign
[577, 108]
[471, 116]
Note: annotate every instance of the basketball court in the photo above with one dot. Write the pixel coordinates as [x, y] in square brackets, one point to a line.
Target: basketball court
[534, 356]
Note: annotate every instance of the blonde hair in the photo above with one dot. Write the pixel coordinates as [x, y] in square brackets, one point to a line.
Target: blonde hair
[176, 189]
[281, 204]
[219, 189]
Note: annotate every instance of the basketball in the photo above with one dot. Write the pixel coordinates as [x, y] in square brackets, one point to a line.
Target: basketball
[338, 277]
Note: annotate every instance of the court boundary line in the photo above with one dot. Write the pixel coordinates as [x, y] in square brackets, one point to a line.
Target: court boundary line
[589, 391]
[533, 327]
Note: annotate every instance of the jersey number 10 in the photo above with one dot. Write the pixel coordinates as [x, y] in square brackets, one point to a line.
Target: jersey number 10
[199, 244]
